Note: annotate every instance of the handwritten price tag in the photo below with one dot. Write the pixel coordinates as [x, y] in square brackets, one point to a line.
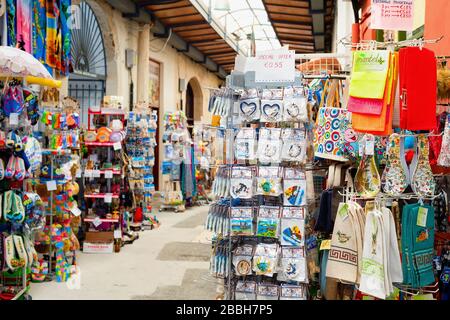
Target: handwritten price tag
[51, 185]
[108, 198]
[108, 174]
[275, 66]
[390, 15]
[117, 146]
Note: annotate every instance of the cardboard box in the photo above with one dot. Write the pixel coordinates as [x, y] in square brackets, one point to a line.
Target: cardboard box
[99, 242]
[104, 236]
[98, 247]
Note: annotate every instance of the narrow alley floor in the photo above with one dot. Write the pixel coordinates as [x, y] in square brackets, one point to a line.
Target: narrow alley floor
[168, 263]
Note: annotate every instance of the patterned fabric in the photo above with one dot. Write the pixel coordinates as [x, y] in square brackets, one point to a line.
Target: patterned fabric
[53, 46]
[444, 155]
[329, 134]
[422, 181]
[394, 178]
[24, 24]
[65, 36]
[39, 29]
[11, 22]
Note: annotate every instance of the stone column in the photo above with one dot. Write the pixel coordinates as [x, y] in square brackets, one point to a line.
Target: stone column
[143, 56]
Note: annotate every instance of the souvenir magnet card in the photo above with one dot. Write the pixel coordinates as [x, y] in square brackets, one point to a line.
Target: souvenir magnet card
[267, 292]
[269, 181]
[242, 260]
[268, 221]
[241, 183]
[245, 290]
[241, 221]
[293, 226]
[294, 187]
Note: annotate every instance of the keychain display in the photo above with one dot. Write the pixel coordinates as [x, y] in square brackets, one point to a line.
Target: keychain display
[221, 183]
[265, 259]
[268, 221]
[293, 292]
[267, 291]
[250, 105]
[219, 260]
[241, 182]
[294, 187]
[218, 217]
[294, 145]
[272, 105]
[292, 265]
[269, 145]
[293, 226]
[269, 181]
[295, 105]
[245, 144]
[241, 221]
[245, 290]
[242, 260]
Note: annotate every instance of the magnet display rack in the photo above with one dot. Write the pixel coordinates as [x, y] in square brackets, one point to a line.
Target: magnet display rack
[238, 81]
[113, 220]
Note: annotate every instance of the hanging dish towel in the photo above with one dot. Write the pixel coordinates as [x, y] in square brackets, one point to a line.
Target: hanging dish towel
[343, 256]
[373, 276]
[418, 87]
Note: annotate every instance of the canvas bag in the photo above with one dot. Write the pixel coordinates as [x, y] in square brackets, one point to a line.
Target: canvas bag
[330, 122]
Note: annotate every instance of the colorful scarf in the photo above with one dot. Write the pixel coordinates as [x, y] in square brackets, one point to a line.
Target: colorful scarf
[65, 36]
[53, 46]
[24, 25]
[11, 22]
[39, 29]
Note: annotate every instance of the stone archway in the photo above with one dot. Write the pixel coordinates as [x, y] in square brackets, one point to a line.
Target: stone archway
[194, 100]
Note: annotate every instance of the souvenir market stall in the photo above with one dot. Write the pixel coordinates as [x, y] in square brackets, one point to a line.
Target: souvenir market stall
[378, 227]
[39, 207]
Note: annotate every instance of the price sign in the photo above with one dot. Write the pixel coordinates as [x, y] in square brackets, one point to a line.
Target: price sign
[96, 173]
[117, 146]
[78, 173]
[75, 211]
[88, 173]
[13, 119]
[108, 198]
[392, 15]
[108, 174]
[118, 234]
[275, 66]
[51, 185]
[97, 222]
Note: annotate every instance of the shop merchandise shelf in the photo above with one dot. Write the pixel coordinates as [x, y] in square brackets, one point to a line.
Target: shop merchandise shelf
[99, 144]
[101, 195]
[101, 220]
[108, 112]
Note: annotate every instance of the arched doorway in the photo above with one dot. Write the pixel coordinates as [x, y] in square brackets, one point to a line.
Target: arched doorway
[88, 74]
[194, 102]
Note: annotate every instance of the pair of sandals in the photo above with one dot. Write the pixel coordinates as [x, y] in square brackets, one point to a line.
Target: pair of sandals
[39, 270]
[397, 175]
[15, 169]
[19, 252]
[12, 205]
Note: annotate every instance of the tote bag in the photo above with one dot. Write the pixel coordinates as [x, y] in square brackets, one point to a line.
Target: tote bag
[331, 124]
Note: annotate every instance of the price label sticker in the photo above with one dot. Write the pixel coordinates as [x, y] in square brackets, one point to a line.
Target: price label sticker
[325, 245]
[51, 185]
[117, 146]
[97, 221]
[118, 234]
[78, 173]
[75, 211]
[88, 173]
[343, 211]
[108, 198]
[13, 119]
[108, 174]
[370, 147]
[95, 173]
[422, 217]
